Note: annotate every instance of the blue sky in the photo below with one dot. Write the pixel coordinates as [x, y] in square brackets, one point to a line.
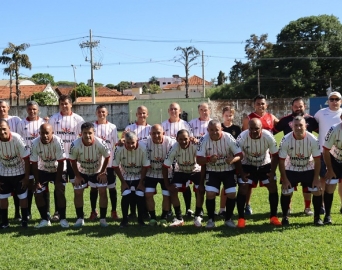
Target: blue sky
[226, 24]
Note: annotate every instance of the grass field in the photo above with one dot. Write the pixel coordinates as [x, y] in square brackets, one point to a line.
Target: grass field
[258, 246]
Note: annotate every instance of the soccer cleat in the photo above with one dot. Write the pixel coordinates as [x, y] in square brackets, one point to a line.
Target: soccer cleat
[222, 214]
[55, 217]
[64, 223]
[229, 223]
[115, 215]
[285, 221]
[322, 211]
[141, 223]
[318, 222]
[189, 213]
[29, 217]
[4, 226]
[24, 224]
[241, 223]
[17, 217]
[198, 222]
[275, 221]
[79, 223]
[152, 222]
[103, 223]
[124, 224]
[210, 224]
[132, 216]
[177, 222]
[327, 220]
[93, 215]
[248, 210]
[43, 223]
[163, 223]
[48, 215]
[308, 212]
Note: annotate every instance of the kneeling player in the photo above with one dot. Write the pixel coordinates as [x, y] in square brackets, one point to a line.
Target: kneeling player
[299, 162]
[183, 152]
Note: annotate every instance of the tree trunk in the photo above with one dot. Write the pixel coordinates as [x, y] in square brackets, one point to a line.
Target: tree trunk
[17, 86]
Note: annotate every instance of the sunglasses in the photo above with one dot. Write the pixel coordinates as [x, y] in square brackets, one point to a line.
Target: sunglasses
[334, 99]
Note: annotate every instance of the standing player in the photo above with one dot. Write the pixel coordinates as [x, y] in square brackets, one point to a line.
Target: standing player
[13, 122]
[157, 146]
[199, 125]
[299, 162]
[14, 171]
[107, 132]
[66, 125]
[285, 125]
[28, 129]
[133, 161]
[257, 145]
[48, 165]
[268, 121]
[332, 154]
[171, 127]
[184, 153]
[219, 151]
[326, 118]
[89, 157]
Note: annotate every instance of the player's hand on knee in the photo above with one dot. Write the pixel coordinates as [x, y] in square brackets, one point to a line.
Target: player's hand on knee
[141, 187]
[24, 182]
[286, 185]
[271, 176]
[78, 181]
[172, 188]
[102, 178]
[244, 177]
[329, 175]
[124, 186]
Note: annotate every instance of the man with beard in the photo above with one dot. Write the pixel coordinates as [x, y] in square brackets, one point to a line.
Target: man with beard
[285, 125]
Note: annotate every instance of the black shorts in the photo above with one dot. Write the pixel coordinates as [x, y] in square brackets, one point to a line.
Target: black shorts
[181, 179]
[111, 178]
[257, 175]
[303, 177]
[214, 180]
[337, 168]
[151, 184]
[132, 187]
[12, 184]
[70, 172]
[88, 178]
[46, 177]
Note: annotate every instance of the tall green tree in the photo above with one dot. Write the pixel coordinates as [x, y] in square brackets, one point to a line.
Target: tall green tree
[110, 86]
[221, 78]
[123, 85]
[82, 90]
[44, 98]
[154, 89]
[153, 80]
[9, 71]
[43, 78]
[12, 55]
[186, 58]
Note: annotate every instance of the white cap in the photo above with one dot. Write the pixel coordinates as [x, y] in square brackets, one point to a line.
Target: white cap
[335, 94]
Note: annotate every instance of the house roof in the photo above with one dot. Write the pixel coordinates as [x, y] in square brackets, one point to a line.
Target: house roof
[105, 99]
[195, 80]
[107, 92]
[171, 86]
[26, 91]
[64, 90]
[7, 82]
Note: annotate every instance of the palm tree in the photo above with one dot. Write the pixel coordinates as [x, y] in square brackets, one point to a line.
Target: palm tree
[9, 71]
[15, 61]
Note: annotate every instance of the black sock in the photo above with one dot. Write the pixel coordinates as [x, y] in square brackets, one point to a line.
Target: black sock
[4, 216]
[285, 204]
[46, 196]
[16, 205]
[29, 200]
[141, 205]
[43, 212]
[103, 212]
[125, 203]
[198, 211]
[153, 214]
[328, 199]
[93, 198]
[273, 199]
[133, 205]
[113, 198]
[178, 212]
[187, 198]
[24, 214]
[56, 199]
[62, 213]
[79, 212]
[230, 205]
[240, 204]
[317, 204]
[164, 214]
[210, 203]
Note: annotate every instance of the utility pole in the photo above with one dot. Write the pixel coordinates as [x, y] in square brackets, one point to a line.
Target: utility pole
[203, 74]
[91, 44]
[258, 82]
[11, 71]
[73, 68]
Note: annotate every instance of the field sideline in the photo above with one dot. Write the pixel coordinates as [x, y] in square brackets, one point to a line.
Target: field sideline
[258, 246]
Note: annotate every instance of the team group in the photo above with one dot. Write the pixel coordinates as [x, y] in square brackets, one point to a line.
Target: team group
[173, 154]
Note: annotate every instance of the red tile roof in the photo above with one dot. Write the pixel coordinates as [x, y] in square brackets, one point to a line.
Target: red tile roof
[26, 91]
[107, 92]
[64, 90]
[171, 86]
[105, 99]
[195, 80]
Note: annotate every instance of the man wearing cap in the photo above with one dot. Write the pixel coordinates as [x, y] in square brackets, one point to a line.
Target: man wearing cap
[326, 118]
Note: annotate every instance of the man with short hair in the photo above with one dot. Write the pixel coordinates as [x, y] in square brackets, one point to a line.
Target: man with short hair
[157, 146]
[14, 171]
[219, 151]
[268, 121]
[89, 157]
[199, 125]
[48, 165]
[66, 125]
[184, 153]
[130, 164]
[257, 145]
[326, 118]
[285, 125]
[299, 162]
[107, 132]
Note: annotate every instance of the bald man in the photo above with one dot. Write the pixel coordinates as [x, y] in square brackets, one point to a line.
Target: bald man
[258, 167]
[157, 145]
[49, 165]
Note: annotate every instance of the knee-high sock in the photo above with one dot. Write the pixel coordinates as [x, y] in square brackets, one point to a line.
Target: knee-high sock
[273, 199]
[285, 202]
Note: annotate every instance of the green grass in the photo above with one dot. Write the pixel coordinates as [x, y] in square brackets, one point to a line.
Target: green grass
[258, 246]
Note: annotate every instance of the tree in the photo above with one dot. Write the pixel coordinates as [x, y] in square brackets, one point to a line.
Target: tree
[82, 90]
[221, 78]
[154, 89]
[110, 86]
[43, 78]
[187, 58]
[308, 53]
[18, 60]
[153, 80]
[98, 84]
[144, 89]
[65, 83]
[123, 85]
[9, 71]
[44, 98]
